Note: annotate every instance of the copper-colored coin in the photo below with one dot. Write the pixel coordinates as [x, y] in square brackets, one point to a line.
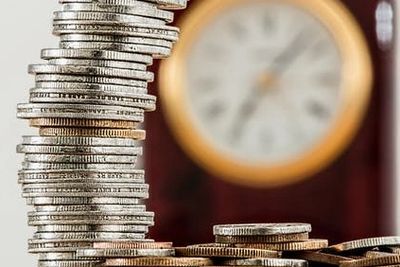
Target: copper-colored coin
[93, 132]
[377, 261]
[159, 261]
[262, 238]
[133, 245]
[70, 122]
[311, 244]
[319, 257]
[225, 252]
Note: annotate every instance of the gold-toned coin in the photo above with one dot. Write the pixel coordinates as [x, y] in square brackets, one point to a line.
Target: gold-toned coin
[375, 254]
[225, 252]
[366, 243]
[311, 244]
[395, 250]
[320, 257]
[159, 261]
[262, 238]
[377, 261]
[93, 132]
[70, 122]
[132, 245]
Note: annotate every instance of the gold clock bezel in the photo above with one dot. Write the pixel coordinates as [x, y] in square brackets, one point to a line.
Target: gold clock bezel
[357, 75]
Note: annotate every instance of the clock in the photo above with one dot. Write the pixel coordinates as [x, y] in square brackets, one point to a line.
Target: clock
[266, 93]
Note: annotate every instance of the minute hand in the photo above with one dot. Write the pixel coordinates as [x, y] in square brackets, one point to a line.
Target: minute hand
[290, 53]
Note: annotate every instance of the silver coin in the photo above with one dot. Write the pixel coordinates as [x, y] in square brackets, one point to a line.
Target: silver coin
[78, 141]
[80, 111]
[90, 70]
[115, 39]
[89, 218]
[102, 16]
[86, 150]
[84, 200]
[68, 264]
[92, 97]
[71, 27]
[83, 208]
[54, 256]
[267, 262]
[93, 228]
[156, 51]
[84, 190]
[75, 166]
[261, 229]
[107, 88]
[44, 246]
[141, 10]
[95, 54]
[89, 79]
[124, 253]
[73, 158]
[87, 236]
[98, 63]
[164, 4]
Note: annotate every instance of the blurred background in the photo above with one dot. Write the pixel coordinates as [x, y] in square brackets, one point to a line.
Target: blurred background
[267, 112]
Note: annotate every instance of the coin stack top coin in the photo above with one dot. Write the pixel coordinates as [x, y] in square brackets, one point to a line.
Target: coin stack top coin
[90, 95]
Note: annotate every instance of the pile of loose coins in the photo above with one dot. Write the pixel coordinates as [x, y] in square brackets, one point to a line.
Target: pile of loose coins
[264, 245]
[90, 95]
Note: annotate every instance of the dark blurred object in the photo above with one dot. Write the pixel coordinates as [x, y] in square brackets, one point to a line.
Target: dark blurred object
[348, 200]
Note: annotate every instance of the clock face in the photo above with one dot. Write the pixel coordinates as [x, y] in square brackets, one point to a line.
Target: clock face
[264, 81]
[266, 92]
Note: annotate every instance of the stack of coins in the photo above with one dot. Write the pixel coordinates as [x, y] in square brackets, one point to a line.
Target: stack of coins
[89, 99]
[256, 245]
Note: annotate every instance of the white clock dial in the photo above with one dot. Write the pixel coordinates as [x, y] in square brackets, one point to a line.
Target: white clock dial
[264, 81]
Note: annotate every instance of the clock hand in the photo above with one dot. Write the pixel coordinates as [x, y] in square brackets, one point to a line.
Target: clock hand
[290, 53]
[251, 103]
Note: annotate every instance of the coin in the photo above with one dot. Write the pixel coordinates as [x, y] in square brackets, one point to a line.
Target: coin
[366, 243]
[262, 238]
[159, 261]
[267, 262]
[320, 257]
[98, 63]
[62, 78]
[83, 200]
[95, 54]
[141, 10]
[83, 208]
[124, 253]
[165, 4]
[261, 229]
[93, 228]
[115, 39]
[102, 16]
[132, 245]
[75, 166]
[376, 261]
[79, 111]
[87, 236]
[93, 132]
[68, 264]
[77, 158]
[311, 244]
[76, 150]
[95, 97]
[85, 123]
[156, 51]
[77, 141]
[225, 252]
